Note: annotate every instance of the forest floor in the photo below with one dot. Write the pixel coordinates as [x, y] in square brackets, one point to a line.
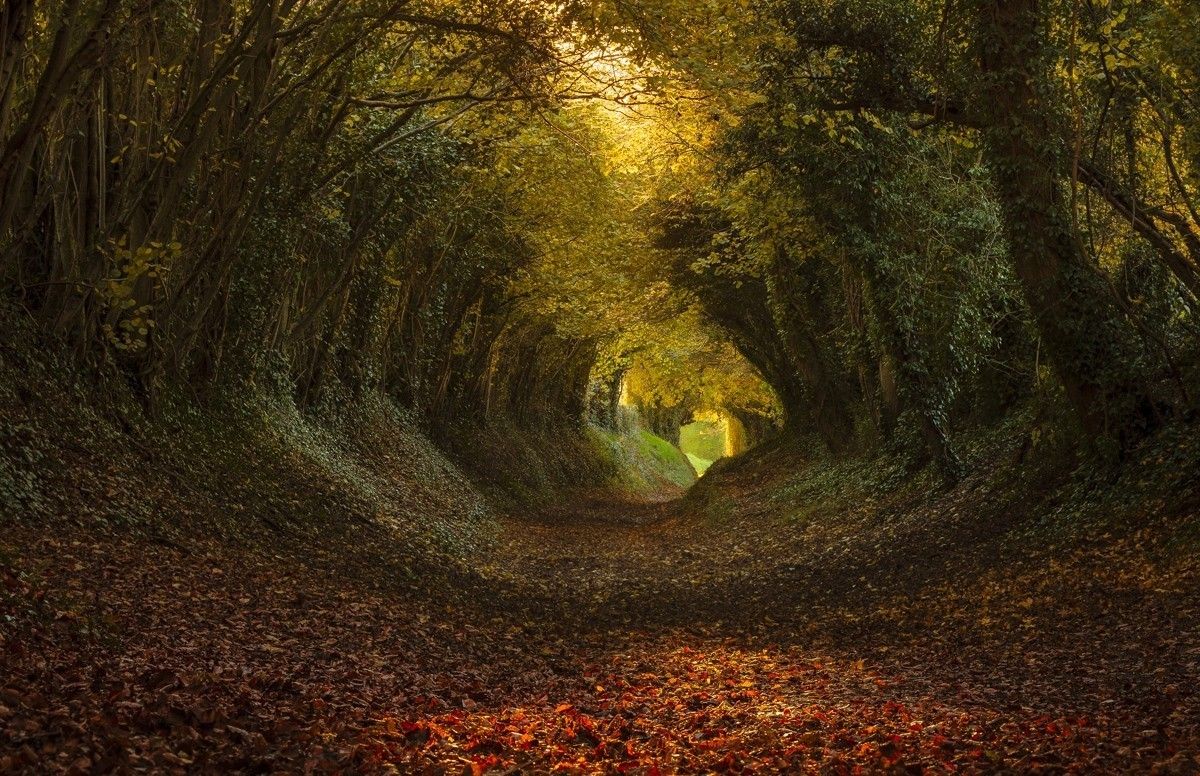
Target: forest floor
[950, 632]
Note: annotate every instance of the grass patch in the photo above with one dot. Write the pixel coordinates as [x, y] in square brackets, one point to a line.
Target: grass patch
[699, 464]
[703, 440]
[648, 464]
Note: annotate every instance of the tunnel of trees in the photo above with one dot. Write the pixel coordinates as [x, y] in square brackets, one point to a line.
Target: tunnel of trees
[850, 229]
[896, 214]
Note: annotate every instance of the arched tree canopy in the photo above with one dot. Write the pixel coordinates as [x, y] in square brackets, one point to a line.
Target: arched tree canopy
[846, 217]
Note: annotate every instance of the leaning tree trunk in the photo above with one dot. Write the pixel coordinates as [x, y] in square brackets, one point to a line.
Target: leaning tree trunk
[1091, 347]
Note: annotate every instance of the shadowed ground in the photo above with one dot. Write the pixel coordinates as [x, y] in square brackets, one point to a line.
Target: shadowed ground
[610, 636]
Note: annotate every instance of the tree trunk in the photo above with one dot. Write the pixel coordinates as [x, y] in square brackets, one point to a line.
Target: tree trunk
[889, 397]
[1091, 347]
[802, 319]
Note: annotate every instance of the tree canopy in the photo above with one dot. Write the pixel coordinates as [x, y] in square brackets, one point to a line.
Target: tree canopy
[852, 218]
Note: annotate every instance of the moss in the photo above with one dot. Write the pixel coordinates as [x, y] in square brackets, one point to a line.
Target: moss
[669, 460]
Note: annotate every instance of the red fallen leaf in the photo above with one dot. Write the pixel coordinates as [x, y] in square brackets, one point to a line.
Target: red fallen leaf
[562, 708]
[417, 732]
[488, 746]
[728, 762]
[481, 765]
[891, 752]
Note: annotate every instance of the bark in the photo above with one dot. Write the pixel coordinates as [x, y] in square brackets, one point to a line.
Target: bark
[802, 319]
[889, 396]
[1088, 342]
[758, 428]
[665, 421]
[1144, 220]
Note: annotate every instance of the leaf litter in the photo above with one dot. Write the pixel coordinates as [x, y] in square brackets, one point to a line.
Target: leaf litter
[606, 638]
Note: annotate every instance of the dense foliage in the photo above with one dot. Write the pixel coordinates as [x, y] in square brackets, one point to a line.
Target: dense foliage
[924, 213]
[861, 219]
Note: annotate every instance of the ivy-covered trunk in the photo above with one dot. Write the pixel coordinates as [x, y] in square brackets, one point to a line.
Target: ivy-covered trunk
[907, 377]
[803, 321]
[1091, 346]
[665, 421]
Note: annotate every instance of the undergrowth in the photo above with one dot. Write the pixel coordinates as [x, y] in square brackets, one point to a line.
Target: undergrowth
[1045, 490]
[247, 464]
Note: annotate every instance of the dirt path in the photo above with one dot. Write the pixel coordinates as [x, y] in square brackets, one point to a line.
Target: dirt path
[602, 638]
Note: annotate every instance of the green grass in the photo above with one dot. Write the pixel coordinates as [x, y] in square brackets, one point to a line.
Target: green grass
[647, 462]
[699, 464]
[703, 441]
[671, 461]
